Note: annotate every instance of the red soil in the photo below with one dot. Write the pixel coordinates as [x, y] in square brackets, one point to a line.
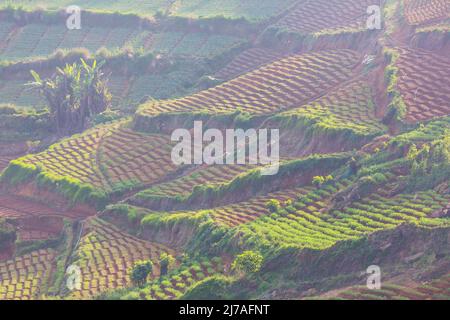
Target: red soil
[14, 206]
[425, 11]
[318, 15]
[424, 83]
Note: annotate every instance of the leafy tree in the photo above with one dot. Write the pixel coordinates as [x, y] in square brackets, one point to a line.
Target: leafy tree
[165, 262]
[7, 234]
[74, 94]
[248, 262]
[318, 181]
[140, 272]
[273, 205]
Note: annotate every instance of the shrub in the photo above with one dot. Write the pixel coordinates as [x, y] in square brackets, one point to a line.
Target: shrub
[273, 205]
[248, 262]
[165, 262]
[140, 272]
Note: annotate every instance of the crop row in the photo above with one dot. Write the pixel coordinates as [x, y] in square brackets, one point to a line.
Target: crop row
[127, 156]
[105, 256]
[424, 83]
[433, 290]
[42, 40]
[284, 84]
[321, 15]
[14, 206]
[127, 92]
[23, 277]
[350, 107]
[421, 11]
[36, 40]
[250, 9]
[183, 186]
[245, 212]
[247, 61]
[179, 280]
[309, 223]
[108, 157]
[74, 157]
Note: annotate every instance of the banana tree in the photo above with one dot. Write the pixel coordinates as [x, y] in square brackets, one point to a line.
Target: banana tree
[74, 94]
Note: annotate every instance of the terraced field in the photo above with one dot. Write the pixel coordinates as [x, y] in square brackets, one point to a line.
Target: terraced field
[201, 45]
[250, 9]
[350, 107]
[326, 15]
[434, 290]
[14, 206]
[178, 281]
[23, 277]
[211, 175]
[15, 92]
[308, 224]
[4, 161]
[108, 156]
[127, 91]
[424, 11]
[105, 256]
[74, 157]
[247, 61]
[424, 83]
[126, 156]
[245, 212]
[36, 40]
[41, 40]
[284, 84]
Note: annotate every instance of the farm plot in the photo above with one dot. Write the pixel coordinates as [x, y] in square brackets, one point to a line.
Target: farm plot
[124, 6]
[24, 277]
[245, 212]
[308, 224]
[4, 161]
[276, 87]
[188, 44]
[14, 206]
[15, 92]
[251, 9]
[434, 290]
[423, 11]
[39, 40]
[424, 83]
[126, 156]
[350, 107]
[108, 157]
[326, 15]
[105, 256]
[183, 186]
[178, 281]
[5, 32]
[74, 157]
[247, 61]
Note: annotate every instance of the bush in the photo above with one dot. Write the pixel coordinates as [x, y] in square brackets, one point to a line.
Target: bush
[273, 205]
[211, 288]
[165, 262]
[248, 262]
[140, 272]
[7, 234]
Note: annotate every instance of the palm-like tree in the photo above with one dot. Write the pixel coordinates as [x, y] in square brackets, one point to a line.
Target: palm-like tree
[73, 94]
